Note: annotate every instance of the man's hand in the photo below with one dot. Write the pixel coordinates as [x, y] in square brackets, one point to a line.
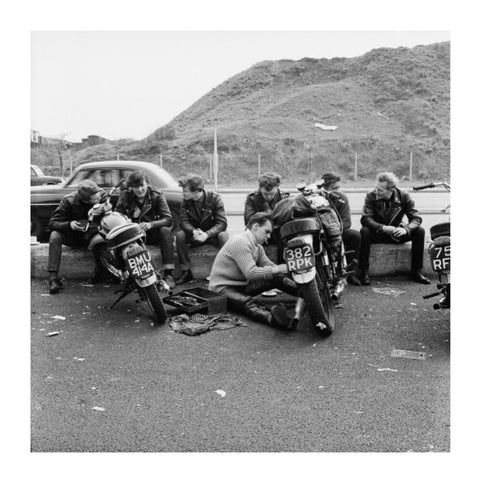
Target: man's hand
[145, 226]
[397, 232]
[282, 269]
[388, 229]
[76, 226]
[200, 236]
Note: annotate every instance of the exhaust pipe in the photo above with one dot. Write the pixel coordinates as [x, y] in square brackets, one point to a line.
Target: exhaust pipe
[340, 289]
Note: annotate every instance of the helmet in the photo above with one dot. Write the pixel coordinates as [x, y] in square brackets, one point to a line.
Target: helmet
[111, 221]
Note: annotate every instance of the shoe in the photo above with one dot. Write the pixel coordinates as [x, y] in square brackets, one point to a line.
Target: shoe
[280, 318]
[353, 280]
[419, 277]
[185, 277]
[364, 278]
[170, 281]
[55, 285]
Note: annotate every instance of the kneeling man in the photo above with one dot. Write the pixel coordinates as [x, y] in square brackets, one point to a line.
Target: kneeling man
[242, 270]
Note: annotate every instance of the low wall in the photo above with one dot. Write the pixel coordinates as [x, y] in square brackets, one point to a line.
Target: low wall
[385, 259]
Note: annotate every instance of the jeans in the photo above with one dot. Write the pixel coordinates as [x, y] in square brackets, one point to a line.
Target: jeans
[351, 240]
[184, 241]
[162, 237]
[74, 240]
[368, 237]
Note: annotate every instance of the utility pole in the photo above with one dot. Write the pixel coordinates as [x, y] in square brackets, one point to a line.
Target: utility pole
[161, 161]
[259, 165]
[215, 160]
[411, 167]
[355, 173]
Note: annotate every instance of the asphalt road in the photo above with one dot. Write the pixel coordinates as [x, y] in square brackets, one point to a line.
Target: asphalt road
[110, 382]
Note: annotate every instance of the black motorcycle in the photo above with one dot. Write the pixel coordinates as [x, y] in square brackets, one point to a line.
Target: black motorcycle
[123, 253]
[310, 230]
[439, 251]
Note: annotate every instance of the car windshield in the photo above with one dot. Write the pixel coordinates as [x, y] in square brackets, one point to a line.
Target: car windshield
[105, 178]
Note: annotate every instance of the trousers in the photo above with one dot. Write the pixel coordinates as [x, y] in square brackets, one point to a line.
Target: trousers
[185, 242]
[368, 237]
[163, 238]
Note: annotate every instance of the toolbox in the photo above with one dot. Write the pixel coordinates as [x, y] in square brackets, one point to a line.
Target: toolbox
[198, 300]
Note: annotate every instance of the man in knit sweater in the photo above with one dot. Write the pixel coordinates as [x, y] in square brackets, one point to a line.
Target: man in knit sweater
[242, 269]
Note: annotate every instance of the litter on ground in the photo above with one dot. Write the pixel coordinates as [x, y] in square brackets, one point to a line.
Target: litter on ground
[58, 317]
[98, 409]
[221, 393]
[414, 355]
[386, 370]
[388, 291]
[197, 324]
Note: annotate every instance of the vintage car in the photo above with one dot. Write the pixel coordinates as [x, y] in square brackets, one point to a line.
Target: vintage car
[45, 199]
[37, 177]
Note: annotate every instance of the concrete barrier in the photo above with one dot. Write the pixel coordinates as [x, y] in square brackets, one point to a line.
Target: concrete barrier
[385, 259]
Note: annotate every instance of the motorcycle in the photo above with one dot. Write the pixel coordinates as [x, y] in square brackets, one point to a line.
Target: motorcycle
[439, 252]
[314, 252]
[123, 253]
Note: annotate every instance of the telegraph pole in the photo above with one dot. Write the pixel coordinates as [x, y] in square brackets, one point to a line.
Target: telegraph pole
[259, 166]
[355, 173]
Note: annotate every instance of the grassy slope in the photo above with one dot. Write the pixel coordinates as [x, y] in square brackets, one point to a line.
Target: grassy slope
[270, 110]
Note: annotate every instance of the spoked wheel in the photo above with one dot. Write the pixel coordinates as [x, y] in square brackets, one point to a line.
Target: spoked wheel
[155, 302]
[319, 305]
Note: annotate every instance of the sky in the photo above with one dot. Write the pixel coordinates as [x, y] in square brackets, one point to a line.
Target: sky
[127, 84]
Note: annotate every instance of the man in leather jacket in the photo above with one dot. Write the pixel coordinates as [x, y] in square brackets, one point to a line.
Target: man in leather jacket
[350, 236]
[381, 221]
[242, 270]
[68, 225]
[264, 199]
[148, 207]
[202, 221]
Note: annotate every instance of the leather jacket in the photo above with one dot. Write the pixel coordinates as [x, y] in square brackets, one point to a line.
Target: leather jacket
[155, 209]
[375, 216]
[71, 208]
[256, 203]
[208, 214]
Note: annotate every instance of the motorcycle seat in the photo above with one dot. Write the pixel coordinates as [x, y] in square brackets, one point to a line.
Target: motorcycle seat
[299, 226]
[441, 229]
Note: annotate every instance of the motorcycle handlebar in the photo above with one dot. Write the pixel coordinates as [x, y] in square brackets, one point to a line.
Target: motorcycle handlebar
[425, 186]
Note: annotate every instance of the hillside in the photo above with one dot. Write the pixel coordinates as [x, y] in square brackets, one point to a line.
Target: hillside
[385, 104]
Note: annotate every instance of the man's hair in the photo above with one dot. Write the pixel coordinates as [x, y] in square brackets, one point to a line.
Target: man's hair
[269, 180]
[330, 178]
[389, 178]
[87, 188]
[259, 218]
[193, 182]
[136, 178]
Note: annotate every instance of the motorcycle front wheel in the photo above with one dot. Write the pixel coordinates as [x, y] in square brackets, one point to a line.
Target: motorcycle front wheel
[153, 299]
[319, 305]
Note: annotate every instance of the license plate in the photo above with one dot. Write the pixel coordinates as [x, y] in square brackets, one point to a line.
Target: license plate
[440, 258]
[140, 265]
[299, 258]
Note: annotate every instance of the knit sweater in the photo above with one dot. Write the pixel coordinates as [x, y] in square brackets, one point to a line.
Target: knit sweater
[240, 260]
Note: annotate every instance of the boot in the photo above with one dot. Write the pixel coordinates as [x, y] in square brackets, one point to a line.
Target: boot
[185, 277]
[257, 313]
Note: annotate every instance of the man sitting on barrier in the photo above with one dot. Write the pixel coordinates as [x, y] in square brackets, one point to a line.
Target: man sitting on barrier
[68, 225]
[148, 207]
[381, 220]
[350, 236]
[202, 221]
[242, 269]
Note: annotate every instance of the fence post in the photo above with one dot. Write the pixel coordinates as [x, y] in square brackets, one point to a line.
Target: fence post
[355, 173]
[259, 166]
[411, 167]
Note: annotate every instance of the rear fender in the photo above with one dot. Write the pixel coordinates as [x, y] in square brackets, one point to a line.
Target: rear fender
[96, 240]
